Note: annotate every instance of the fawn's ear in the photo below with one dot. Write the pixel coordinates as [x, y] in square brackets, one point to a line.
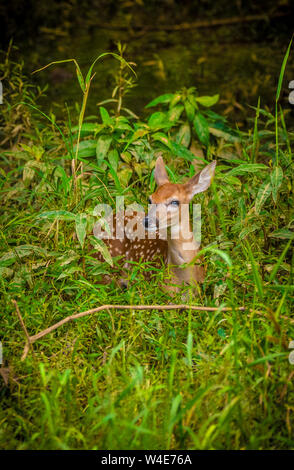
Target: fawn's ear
[160, 173]
[201, 181]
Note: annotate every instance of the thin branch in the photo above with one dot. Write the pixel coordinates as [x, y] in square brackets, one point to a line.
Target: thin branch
[193, 25]
[32, 339]
[125, 307]
[28, 344]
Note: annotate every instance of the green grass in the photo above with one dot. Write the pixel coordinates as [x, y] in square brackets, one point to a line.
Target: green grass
[145, 379]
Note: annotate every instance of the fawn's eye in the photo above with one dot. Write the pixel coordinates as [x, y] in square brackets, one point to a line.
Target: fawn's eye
[174, 203]
[149, 200]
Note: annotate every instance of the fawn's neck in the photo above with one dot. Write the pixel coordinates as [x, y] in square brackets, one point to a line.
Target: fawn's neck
[182, 247]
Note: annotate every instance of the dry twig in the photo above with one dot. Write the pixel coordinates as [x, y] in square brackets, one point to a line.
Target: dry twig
[192, 25]
[32, 339]
[28, 344]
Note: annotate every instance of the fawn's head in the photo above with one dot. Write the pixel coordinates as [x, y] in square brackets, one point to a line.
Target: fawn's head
[168, 198]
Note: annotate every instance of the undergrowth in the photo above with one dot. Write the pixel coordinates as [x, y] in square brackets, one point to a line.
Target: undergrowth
[144, 379]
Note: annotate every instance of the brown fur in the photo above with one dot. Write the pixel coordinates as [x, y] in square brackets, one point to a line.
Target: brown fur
[153, 248]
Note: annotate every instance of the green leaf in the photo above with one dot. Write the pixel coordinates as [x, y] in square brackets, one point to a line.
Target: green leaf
[177, 97]
[207, 100]
[87, 128]
[113, 158]
[60, 215]
[174, 113]
[247, 168]
[190, 110]
[126, 157]
[282, 72]
[262, 195]
[80, 78]
[158, 120]
[159, 136]
[122, 120]
[214, 117]
[20, 252]
[201, 128]
[223, 135]
[106, 119]
[68, 271]
[6, 273]
[30, 169]
[221, 332]
[247, 230]
[81, 224]
[181, 151]
[232, 180]
[87, 148]
[35, 151]
[122, 125]
[267, 358]
[217, 251]
[113, 173]
[162, 99]
[283, 233]
[139, 133]
[276, 181]
[102, 248]
[184, 135]
[124, 176]
[67, 258]
[102, 147]
[138, 167]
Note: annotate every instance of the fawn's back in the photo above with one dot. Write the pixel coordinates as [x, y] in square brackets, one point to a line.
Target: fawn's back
[135, 244]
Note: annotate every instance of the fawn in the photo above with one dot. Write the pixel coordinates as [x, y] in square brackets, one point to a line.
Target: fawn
[168, 228]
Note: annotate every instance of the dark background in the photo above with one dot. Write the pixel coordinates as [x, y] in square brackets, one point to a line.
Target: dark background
[23, 20]
[240, 60]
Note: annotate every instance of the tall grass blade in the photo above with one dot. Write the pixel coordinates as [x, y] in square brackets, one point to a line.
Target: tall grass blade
[279, 262]
[280, 82]
[256, 275]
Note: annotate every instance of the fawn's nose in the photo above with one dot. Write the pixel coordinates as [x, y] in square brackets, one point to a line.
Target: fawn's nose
[146, 222]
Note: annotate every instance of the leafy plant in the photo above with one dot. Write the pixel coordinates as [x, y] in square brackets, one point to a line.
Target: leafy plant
[191, 111]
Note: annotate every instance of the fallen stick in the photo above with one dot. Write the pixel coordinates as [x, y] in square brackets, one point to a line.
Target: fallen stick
[32, 339]
[192, 25]
[28, 344]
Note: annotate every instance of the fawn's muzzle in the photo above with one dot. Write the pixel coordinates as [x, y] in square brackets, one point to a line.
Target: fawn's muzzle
[150, 224]
[150, 221]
